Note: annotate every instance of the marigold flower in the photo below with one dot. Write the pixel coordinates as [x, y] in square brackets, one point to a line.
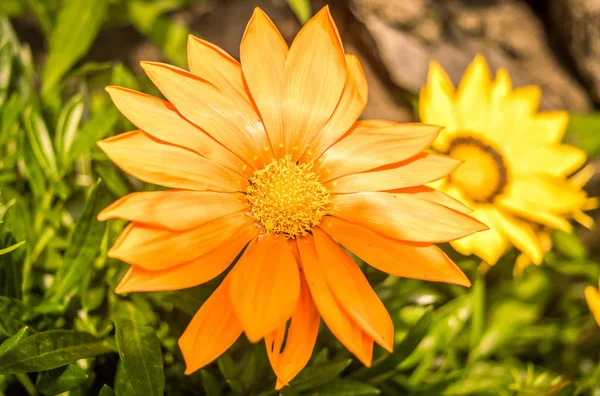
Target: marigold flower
[592, 297]
[266, 157]
[514, 167]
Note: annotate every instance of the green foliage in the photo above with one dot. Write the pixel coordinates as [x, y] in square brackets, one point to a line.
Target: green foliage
[63, 329]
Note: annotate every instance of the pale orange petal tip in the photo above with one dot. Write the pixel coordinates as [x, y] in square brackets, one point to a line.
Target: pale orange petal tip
[122, 287]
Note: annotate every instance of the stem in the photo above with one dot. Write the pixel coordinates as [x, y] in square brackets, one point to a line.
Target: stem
[27, 384]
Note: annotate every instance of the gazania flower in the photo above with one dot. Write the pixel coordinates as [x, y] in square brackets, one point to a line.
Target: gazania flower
[514, 167]
[592, 296]
[266, 158]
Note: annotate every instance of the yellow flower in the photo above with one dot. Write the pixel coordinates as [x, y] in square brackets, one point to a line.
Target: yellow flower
[266, 159]
[592, 296]
[514, 170]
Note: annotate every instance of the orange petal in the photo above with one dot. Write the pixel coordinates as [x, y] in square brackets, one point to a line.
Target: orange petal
[155, 248]
[265, 287]
[365, 149]
[211, 332]
[353, 291]
[174, 209]
[155, 162]
[435, 196]
[419, 170]
[216, 66]
[160, 120]
[350, 107]
[416, 261]
[342, 325]
[315, 75]
[193, 273]
[287, 360]
[228, 119]
[592, 297]
[263, 52]
[404, 217]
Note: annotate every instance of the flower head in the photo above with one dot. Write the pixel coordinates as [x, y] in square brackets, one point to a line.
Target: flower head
[514, 168]
[266, 157]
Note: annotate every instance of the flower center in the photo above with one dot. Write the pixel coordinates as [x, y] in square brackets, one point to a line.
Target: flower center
[287, 198]
[483, 174]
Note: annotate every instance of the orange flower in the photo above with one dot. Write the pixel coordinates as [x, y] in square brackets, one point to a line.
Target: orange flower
[266, 157]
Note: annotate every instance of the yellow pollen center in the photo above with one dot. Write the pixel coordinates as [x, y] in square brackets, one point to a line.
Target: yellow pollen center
[482, 175]
[287, 198]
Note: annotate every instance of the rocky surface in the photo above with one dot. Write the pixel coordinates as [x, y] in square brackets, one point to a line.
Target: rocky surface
[577, 28]
[408, 34]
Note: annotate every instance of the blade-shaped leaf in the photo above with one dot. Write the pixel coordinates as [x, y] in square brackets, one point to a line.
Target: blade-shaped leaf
[40, 141]
[11, 314]
[60, 379]
[51, 349]
[139, 349]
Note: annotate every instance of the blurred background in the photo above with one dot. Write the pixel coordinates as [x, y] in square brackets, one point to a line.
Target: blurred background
[526, 335]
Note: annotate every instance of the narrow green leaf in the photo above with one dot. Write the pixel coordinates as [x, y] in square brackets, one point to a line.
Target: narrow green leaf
[478, 317]
[66, 128]
[569, 244]
[301, 8]
[60, 379]
[139, 349]
[96, 128]
[9, 343]
[347, 388]
[6, 67]
[318, 375]
[11, 271]
[11, 248]
[40, 141]
[123, 386]
[210, 384]
[123, 77]
[12, 312]
[51, 349]
[582, 131]
[83, 247]
[76, 27]
[107, 391]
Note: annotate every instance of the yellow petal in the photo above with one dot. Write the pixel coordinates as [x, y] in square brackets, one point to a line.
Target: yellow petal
[420, 170]
[547, 127]
[216, 66]
[473, 96]
[404, 217]
[489, 245]
[193, 273]
[592, 297]
[557, 161]
[350, 107]
[174, 209]
[365, 149]
[315, 75]
[228, 119]
[436, 105]
[211, 332]
[155, 162]
[155, 248]
[533, 213]
[343, 327]
[289, 359]
[520, 234]
[545, 192]
[352, 290]
[265, 287]
[160, 120]
[263, 52]
[416, 261]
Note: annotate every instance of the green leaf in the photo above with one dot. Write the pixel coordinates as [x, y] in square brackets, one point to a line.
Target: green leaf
[11, 248]
[12, 312]
[11, 272]
[9, 343]
[169, 36]
[83, 246]
[77, 25]
[583, 132]
[210, 384]
[301, 8]
[96, 128]
[60, 379]
[569, 244]
[6, 67]
[347, 388]
[66, 129]
[107, 391]
[123, 77]
[51, 349]
[40, 141]
[318, 375]
[139, 349]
